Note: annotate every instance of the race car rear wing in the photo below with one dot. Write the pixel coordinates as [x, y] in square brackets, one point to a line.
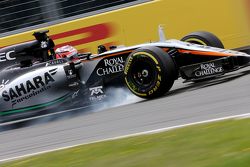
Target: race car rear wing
[28, 51]
[45, 41]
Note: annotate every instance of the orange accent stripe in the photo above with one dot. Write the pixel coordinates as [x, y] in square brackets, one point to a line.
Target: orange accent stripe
[117, 54]
[204, 53]
[165, 49]
[123, 52]
[114, 54]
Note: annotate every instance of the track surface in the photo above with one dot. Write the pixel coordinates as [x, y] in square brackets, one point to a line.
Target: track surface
[185, 103]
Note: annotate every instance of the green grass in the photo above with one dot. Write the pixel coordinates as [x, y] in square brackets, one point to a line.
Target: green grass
[220, 144]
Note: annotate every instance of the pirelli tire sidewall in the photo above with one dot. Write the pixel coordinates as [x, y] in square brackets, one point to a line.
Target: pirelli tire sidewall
[164, 72]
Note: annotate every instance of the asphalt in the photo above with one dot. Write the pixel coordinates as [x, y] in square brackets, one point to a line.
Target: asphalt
[185, 103]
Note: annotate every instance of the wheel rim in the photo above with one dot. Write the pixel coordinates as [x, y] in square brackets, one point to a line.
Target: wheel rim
[143, 72]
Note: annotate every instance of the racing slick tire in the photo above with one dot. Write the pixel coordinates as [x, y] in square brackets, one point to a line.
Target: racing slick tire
[149, 72]
[203, 38]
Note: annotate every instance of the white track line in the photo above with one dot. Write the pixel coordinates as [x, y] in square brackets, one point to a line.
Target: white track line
[247, 115]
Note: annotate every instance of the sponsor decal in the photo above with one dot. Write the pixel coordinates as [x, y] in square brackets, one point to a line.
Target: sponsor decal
[30, 88]
[96, 90]
[55, 62]
[111, 66]
[75, 94]
[73, 84]
[96, 93]
[156, 86]
[7, 56]
[2, 86]
[44, 44]
[70, 71]
[208, 69]
[71, 74]
[130, 59]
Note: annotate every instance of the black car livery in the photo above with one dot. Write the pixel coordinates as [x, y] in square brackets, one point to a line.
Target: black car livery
[33, 81]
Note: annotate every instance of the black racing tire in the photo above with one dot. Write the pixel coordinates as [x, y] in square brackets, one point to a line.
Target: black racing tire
[149, 72]
[203, 38]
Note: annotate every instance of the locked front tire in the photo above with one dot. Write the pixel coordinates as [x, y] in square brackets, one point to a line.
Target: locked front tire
[149, 72]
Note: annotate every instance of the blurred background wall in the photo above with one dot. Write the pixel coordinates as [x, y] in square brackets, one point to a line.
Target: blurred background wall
[86, 24]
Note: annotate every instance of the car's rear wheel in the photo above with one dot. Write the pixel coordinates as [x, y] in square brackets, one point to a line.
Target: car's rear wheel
[203, 38]
[149, 72]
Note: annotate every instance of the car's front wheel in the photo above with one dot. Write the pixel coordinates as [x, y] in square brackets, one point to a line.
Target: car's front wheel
[203, 38]
[149, 72]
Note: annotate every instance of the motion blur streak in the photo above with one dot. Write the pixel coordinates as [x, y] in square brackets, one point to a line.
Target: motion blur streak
[118, 97]
[121, 96]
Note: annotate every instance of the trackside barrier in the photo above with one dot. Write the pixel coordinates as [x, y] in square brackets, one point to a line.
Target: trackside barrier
[229, 20]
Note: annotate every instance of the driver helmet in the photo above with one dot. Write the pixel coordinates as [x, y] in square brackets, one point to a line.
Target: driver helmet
[67, 51]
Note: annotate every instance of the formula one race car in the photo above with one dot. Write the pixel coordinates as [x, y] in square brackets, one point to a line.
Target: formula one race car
[34, 78]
